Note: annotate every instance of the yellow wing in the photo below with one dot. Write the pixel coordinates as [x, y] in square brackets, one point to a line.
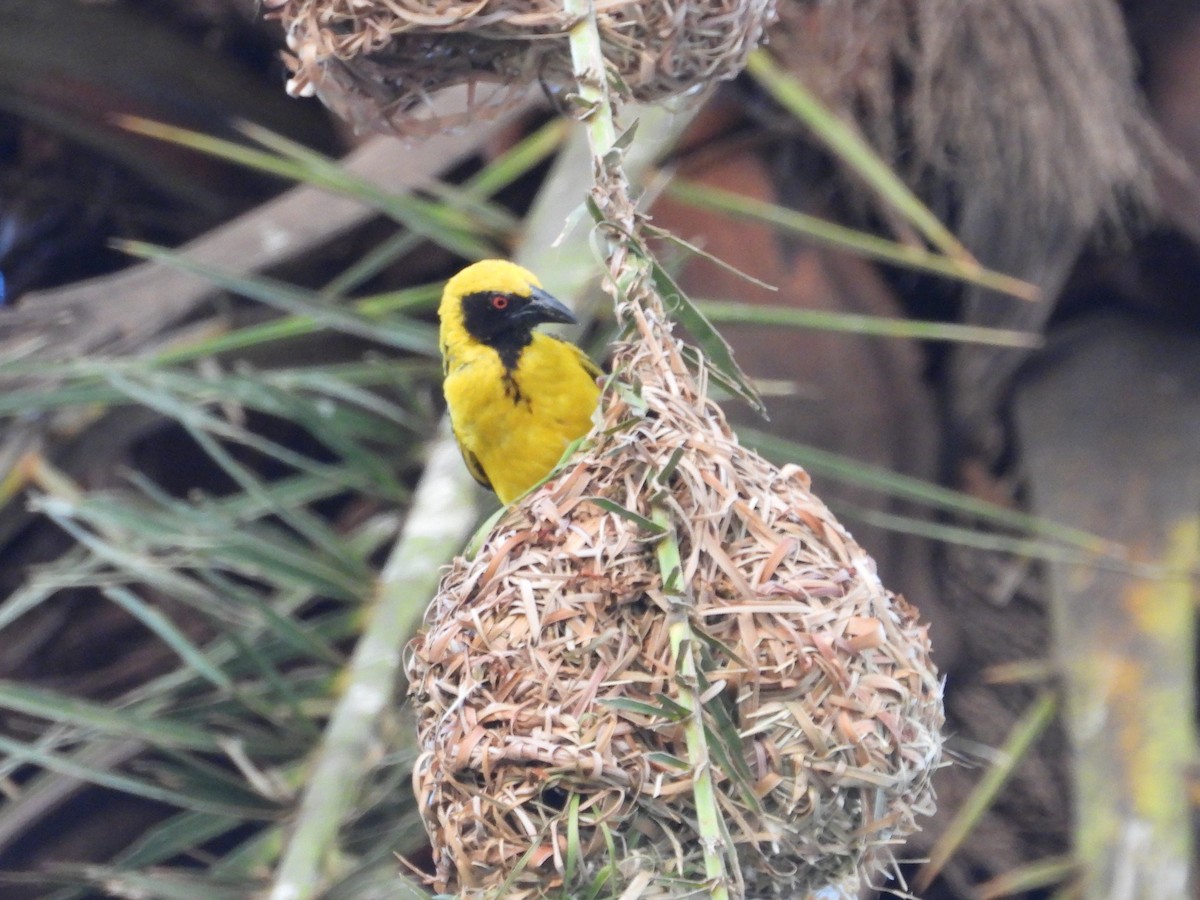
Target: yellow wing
[586, 361]
[472, 462]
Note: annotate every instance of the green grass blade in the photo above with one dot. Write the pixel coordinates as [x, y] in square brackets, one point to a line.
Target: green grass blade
[716, 349]
[721, 312]
[840, 237]
[163, 884]
[520, 159]
[894, 484]
[71, 768]
[848, 146]
[416, 337]
[169, 634]
[157, 731]
[1021, 881]
[993, 542]
[421, 216]
[640, 521]
[418, 299]
[1023, 735]
[290, 633]
[181, 833]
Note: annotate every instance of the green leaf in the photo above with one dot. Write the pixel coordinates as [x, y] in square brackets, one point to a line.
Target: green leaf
[418, 299]
[790, 316]
[417, 337]
[668, 761]
[672, 712]
[617, 509]
[718, 353]
[846, 143]
[1025, 879]
[670, 564]
[297, 163]
[73, 768]
[164, 884]
[672, 709]
[663, 234]
[182, 832]
[840, 237]
[482, 533]
[155, 729]
[725, 743]
[663, 476]
[574, 850]
[895, 484]
[1044, 548]
[169, 634]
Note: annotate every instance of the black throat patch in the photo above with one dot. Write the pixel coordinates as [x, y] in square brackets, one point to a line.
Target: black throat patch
[495, 328]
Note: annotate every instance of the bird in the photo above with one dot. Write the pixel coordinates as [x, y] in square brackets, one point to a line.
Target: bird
[516, 397]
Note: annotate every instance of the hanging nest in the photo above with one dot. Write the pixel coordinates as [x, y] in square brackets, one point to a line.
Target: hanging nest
[553, 711]
[381, 63]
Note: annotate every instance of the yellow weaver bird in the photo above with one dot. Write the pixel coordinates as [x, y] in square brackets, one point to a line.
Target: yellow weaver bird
[517, 397]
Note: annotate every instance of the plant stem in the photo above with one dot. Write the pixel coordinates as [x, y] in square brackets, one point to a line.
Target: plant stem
[591, 75]
[630, 273]
[441, 517]
[610, 187]
[709, 823]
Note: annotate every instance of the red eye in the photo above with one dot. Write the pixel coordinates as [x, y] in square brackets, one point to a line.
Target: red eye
[499, 301]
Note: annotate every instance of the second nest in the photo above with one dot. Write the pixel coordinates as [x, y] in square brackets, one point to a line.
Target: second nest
[381, 62]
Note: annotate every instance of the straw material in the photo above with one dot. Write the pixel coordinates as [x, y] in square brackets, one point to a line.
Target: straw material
[549, 698]
[1031, 104]
[380, 63]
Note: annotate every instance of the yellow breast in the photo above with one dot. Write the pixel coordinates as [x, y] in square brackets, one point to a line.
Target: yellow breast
[518, 422]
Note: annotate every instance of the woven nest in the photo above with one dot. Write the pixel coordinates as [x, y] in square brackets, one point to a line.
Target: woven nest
[381, 63]
[549, 699]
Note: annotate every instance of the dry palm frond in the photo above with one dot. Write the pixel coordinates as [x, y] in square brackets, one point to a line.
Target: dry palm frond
[1032, 104]
[1020, 123]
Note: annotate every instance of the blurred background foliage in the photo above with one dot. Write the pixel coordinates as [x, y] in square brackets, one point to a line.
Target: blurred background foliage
[208, 457]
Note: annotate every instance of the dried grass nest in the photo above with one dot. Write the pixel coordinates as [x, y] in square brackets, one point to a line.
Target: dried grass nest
[547, 692]
[379, 63]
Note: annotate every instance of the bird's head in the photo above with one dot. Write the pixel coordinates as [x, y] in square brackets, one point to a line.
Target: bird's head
[498, 302]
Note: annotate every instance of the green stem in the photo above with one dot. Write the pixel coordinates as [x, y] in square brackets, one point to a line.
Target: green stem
[611, 193]
[438, 523]
[709, 823]
[591, 75]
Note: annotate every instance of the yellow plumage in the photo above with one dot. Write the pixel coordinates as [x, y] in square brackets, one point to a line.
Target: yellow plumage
[517, 397]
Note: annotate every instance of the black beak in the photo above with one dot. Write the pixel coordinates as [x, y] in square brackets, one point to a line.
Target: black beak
[544, 308]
